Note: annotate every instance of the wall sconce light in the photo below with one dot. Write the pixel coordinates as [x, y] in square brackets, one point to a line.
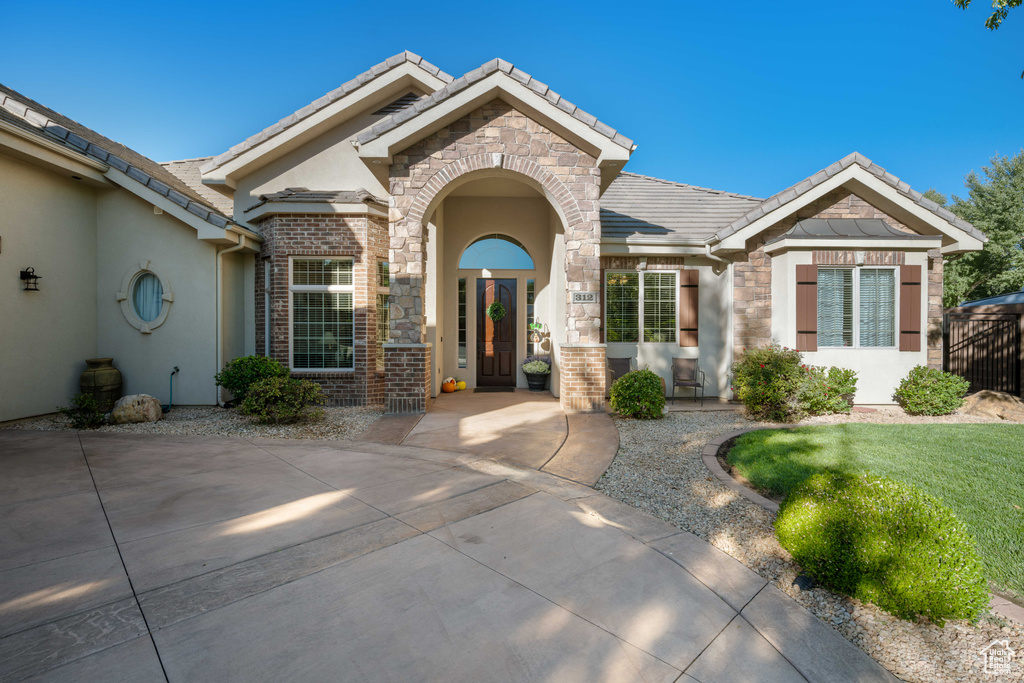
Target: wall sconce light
[31, 280]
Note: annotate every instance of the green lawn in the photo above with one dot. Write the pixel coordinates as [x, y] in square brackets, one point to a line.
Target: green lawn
[977, 470]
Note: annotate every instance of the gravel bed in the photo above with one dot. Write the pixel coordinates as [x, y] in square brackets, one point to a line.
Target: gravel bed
[659, 470]
[337, 423]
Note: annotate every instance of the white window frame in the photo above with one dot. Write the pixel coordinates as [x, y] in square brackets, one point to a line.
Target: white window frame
[333, 289]
[640, 307]
[856, 307]
[385, 291]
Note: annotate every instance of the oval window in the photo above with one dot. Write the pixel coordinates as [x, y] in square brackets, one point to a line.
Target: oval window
[147, 297]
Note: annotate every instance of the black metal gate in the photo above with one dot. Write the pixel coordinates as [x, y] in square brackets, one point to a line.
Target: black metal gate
[984, 349]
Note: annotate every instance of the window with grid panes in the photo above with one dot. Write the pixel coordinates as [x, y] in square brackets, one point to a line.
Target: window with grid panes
[462, 322]
[856, 307]
[529, 317]
[641, 306]
[323, 323]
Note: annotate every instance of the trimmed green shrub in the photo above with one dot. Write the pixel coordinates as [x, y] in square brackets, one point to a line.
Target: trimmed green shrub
[638, 394]
[926, 391]
[767, 380]
[885, 542]
[827, 390]
[241, 373]
[283, 399]
[84, 412]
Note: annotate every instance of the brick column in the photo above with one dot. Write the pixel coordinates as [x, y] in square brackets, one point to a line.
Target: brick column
[407, 369]
[584, 376]
[935, 310]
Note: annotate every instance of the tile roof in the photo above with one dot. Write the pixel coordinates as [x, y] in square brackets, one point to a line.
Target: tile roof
[187, 170]
[48, 124]
[640, 207]
[795, 191]
[846, 228]
[478, 74]
[307, 196]
[331, 97]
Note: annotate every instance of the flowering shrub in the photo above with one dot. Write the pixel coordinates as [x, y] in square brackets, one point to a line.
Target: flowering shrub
[767, 381]
[537, 365]
[885, 542]
[775, 386]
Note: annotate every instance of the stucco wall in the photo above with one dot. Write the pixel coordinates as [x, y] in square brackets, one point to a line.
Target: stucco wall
[233, 311]
[879, 371]
[466, 219]
[327, 162]
[47, 222]
[713, 352]
[128, 233]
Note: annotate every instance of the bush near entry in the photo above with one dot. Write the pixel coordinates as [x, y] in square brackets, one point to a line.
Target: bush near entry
[884, 542]
[283, 399]
[638, 394]
[241, 373]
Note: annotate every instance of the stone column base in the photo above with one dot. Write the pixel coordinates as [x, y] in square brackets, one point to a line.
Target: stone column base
[407, 378]
[583, 372]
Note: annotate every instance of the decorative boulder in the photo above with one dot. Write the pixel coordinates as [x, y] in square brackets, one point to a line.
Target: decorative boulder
[136, 408]
[994, 404]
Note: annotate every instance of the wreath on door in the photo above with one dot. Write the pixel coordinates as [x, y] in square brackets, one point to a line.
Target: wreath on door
[496, 311]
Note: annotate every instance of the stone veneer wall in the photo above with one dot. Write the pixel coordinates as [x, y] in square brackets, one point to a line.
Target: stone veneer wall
[362, 237]
[752, 278]
[499, 140]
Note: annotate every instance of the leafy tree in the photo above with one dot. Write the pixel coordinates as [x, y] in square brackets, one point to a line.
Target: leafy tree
[995, 205]
[1000, 8]
[936, 196]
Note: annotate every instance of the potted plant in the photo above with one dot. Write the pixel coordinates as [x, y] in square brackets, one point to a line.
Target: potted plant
[537, 369]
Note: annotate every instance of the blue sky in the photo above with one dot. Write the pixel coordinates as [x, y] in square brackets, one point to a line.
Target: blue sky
[743, 96]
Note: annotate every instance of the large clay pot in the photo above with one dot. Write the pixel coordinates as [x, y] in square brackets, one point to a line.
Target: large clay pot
[537, 382]
[102, 381]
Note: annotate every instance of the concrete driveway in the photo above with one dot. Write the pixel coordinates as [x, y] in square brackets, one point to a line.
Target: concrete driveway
[145, 558]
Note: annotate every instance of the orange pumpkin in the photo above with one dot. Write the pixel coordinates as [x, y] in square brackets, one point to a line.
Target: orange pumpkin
[448, 387]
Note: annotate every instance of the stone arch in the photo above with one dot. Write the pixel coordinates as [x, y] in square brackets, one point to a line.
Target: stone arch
[474, 167]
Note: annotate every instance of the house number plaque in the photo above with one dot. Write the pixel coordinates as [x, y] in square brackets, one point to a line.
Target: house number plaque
[584, 297]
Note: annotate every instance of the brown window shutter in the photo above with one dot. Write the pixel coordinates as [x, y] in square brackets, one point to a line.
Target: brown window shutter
[807, 308]
[910, 308]
[689, 302]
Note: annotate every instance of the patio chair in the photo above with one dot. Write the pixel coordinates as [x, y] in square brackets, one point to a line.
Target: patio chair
[617, 367]
[687, 375]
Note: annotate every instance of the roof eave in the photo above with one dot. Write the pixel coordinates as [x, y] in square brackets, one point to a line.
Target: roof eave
[296, 129]
[416, 123]
[857, 178]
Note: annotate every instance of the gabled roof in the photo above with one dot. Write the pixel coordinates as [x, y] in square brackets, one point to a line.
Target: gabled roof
[637, 207]
[309, 110]
[48, 125]
[479, 74]
[795, 192]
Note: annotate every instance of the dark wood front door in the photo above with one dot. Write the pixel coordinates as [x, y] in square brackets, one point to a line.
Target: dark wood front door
[496, 341]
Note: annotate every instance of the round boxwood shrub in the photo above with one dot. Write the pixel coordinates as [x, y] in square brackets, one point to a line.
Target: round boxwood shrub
[638, 394]
[927, 391]
[885, 542]
[241, 373]
[283, 399]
